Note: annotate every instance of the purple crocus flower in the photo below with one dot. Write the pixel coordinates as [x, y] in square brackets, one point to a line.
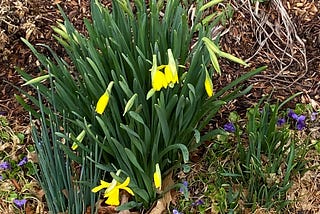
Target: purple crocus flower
[229, 127]
[23, 161]
[281, 122]
[175, 211]
[5, 165]
[19, 203]
[292, 114]
[301, 122]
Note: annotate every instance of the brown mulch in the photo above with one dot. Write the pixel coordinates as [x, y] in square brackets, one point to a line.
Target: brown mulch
[292, 54]
[31, 19]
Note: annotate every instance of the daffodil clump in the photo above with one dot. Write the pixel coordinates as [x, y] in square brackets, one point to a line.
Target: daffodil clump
[132, 103]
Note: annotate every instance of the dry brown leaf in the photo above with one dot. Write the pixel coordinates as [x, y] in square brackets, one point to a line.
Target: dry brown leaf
[124, 199]
[29, 209]
[103, 208]
[56, 2]
[163, 203]
[40, 194]
[33, 157]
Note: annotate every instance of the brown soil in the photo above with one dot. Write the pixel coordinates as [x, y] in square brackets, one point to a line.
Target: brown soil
[288, 43]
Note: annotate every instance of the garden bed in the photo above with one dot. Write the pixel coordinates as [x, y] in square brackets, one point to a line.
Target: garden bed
[262, 33]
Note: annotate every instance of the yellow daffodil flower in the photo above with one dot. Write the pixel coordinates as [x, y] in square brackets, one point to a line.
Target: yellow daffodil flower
[208, 85]
[104, 100]
[164, 75]
[170, 70]
[157, 177]
[112, 190]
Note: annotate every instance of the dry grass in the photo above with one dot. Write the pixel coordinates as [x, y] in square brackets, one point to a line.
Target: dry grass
[274, 32]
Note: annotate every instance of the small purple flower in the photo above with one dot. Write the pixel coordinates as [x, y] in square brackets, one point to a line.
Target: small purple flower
[281, 122]
[292, 114]
[174, 211]
[197, 203]
[229, 127]
[23, 161]
[19, 203]
[1, 177]
[300, 122]
[5, 165]
[314, 116]
[301, 118]
[185, 184]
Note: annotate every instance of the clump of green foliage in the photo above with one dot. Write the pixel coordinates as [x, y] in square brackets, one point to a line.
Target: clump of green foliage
[252, 164]
[130, 105]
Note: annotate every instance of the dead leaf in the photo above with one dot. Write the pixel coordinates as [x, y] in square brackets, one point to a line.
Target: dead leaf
[124, 199]
[56, 2]
[40, 194]
[103, 208]
[29, 209]
[163, 203]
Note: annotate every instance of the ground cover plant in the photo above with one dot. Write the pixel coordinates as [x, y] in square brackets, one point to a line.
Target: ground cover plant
[17, 175]
[254, 162]
[131, 104]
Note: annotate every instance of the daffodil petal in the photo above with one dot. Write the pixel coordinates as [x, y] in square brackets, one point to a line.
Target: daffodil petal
[128, 190]
[125, 183]
[102, 185]
[124, 186]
